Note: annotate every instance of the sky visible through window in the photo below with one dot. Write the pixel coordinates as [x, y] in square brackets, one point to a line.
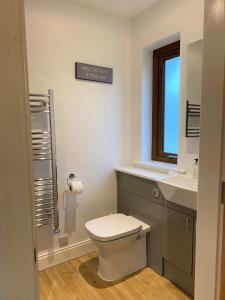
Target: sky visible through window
[171, 105]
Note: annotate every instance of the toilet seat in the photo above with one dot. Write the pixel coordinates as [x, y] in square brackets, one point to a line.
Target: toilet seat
[114, 226]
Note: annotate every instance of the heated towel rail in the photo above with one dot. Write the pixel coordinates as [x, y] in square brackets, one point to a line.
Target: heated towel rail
[44, 158]
[193, 112]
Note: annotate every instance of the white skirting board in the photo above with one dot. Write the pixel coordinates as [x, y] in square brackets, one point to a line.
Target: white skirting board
[62, 255]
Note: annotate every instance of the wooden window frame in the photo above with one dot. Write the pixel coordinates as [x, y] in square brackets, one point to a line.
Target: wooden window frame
[159, 57]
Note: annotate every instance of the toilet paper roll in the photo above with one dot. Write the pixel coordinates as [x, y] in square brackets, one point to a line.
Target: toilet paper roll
[76, 187]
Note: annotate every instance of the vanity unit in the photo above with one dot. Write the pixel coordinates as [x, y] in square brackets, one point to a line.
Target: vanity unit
[171, 243]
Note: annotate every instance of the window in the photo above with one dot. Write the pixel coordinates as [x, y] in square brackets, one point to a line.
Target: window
[166, 81]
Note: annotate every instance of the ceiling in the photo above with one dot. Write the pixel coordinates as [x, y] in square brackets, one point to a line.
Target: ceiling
[128, 8]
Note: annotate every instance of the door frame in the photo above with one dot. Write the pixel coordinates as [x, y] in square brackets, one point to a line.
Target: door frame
[209, 196]
[222, 279]
[18, 271]
[222, 238]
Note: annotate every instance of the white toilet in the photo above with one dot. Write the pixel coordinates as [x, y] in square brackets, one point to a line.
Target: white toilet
[121, 241]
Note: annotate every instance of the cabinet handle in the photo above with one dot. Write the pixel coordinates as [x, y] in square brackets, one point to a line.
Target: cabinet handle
[188, 225]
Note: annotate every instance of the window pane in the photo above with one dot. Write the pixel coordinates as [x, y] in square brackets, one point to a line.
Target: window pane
[171, 105]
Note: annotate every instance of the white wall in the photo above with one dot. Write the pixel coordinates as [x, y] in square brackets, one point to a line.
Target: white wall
[94, 131]
[165, 22]
[92, 119]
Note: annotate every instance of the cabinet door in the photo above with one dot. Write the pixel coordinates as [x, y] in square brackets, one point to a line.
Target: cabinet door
[179, 235]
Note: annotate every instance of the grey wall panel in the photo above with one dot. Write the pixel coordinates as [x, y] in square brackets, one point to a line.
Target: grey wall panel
[151, 213]
[139, 186]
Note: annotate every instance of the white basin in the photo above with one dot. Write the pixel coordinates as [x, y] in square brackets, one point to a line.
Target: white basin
[180, 189]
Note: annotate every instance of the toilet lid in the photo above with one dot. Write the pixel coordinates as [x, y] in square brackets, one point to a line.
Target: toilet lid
[113, 227]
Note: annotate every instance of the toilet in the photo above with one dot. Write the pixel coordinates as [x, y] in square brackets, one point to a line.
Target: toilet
[121, 241]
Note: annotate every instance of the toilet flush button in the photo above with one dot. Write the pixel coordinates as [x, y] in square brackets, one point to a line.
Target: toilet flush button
[155, 193]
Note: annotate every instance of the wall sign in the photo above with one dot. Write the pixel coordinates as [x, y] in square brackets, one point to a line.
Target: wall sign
[93, 73]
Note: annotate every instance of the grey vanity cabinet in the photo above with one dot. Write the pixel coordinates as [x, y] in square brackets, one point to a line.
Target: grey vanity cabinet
[179, 233]
[171, 242]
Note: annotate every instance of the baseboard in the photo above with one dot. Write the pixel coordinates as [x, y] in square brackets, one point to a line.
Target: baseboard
[62, 255]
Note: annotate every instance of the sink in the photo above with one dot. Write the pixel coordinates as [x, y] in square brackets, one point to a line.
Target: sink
[180, 189]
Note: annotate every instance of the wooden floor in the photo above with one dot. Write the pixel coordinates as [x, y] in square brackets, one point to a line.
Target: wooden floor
[78, 280]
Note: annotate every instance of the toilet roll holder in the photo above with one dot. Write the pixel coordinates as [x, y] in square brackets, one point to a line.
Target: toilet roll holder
[70, 178]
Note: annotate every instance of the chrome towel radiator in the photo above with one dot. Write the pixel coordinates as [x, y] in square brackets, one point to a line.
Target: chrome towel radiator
[44, 158]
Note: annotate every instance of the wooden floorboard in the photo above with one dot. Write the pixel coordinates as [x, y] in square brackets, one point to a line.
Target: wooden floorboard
[78, 280]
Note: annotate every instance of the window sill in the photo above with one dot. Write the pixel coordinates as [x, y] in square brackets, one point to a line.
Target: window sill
[158, 166]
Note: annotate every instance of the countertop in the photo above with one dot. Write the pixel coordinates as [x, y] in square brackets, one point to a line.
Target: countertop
[143, 173]
[178, 188]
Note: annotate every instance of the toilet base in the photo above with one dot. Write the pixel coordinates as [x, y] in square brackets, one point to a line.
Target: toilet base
[122, 260]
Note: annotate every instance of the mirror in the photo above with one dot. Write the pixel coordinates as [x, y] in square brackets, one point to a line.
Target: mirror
[194, 83]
